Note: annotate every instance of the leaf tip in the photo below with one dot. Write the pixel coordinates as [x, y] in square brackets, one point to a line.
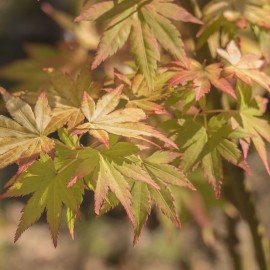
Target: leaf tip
[2, 90]
[217, 189]
[77, 19]
[72, 181]
[47, 8]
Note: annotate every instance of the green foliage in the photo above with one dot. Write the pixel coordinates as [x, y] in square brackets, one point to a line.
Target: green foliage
[135, 139]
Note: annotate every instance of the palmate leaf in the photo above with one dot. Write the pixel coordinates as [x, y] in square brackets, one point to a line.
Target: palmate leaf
[217, 148]
[164, 175]
[141, 97]
[66, 94]
[102, 119]
[141, 207]
[25, 137]
[104, 174]
[249, 116]
[202, 78]
[208, 147]
[49, 192]
[144, 23]
[109, 177]
[244, 67]
[118, 175]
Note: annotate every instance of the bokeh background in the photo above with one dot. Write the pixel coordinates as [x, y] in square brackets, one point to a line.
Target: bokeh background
[37, 34]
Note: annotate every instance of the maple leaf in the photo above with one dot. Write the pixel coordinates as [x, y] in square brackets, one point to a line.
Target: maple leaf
[48, 187]
[250, 111]
[202, 78]
[209, 147]
[164, 175]
[120, 176]
[145, 24]
[106, 176]
[141, 97]
[244, 67]
[109, 177]
[66, 94]
[102, 118]
[158, 167]
[141, 207]
[25, 137]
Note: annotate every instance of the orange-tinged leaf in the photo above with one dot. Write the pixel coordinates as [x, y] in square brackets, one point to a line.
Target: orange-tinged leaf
[110, 178]
[202, 78]
[172, 11]
[258, 128]
[244, 67]
[143, 22]
[23, 140]
[102, 119]
[95, 11]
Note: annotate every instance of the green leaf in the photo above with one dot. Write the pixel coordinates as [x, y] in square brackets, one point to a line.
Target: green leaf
[169, 174]
[66, 94]
[49, 192]
[113, 39]
[191, 139]
[162, 157]
[145, 48]
[166, 34]
[110, 178]
[141, 207]
[258, 128]
[164, 201]
[133, 15]
[68, 139]
[136, 173]
[88, 161]
[213, 170]
[71, 218]
[110, 202]
[120, 150]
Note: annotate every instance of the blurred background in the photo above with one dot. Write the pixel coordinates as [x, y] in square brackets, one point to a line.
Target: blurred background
[39, 34]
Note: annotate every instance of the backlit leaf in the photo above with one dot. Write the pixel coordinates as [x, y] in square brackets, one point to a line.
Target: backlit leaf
[49, 192]
[25, 137]
[244, 67]
[102, 119]
[202, 78]
[143, 22]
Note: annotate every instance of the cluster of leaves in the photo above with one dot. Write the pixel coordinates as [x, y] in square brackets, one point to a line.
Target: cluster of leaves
[78, 134]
